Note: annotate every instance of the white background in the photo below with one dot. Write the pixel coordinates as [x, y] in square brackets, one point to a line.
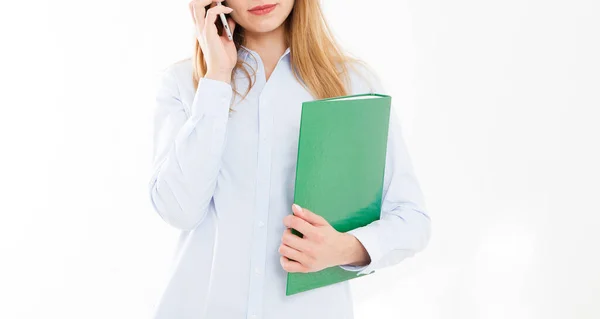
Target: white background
[499, 103]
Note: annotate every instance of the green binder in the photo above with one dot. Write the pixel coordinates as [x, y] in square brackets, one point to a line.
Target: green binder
[340, 169]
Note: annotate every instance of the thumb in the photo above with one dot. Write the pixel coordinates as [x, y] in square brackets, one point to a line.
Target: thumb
[307, 215]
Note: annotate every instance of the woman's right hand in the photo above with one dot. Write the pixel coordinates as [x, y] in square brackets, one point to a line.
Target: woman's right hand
[219, 52]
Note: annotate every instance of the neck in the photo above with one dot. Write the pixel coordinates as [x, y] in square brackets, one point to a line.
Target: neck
[269, 45]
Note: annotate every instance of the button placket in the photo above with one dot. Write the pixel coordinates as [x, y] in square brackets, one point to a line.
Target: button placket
[259, 239]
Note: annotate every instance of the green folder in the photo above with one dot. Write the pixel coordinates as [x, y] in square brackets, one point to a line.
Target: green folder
[340, 169]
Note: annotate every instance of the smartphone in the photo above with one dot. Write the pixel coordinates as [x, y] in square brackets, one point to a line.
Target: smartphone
[222, 25]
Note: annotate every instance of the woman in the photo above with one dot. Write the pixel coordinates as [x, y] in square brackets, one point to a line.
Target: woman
[225, 143]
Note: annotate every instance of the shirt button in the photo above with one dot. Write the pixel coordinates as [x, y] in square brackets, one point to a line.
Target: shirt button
[257, 271]
[261, 224]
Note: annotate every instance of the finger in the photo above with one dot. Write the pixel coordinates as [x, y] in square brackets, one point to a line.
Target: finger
[211, 17]
[198, 10]
[292, 266]
[299, 224]
[295, 241]
[292, 253]
[309, 216]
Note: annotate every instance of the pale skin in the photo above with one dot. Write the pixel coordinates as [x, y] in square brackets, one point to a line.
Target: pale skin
[264, 34]
[321, 245]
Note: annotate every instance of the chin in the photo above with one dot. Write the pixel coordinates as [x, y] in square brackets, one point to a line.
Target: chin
[263, 27]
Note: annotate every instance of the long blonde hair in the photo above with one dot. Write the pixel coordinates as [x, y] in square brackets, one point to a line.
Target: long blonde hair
[316, 59]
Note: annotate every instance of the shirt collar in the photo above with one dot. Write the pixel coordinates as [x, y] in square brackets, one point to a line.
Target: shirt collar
[245, 50]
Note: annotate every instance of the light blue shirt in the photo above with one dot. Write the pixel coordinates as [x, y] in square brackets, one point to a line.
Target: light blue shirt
[227, 181]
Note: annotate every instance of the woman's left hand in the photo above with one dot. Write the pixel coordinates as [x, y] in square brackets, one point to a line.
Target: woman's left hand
[320, 247]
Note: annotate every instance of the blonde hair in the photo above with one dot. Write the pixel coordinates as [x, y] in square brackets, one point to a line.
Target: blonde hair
[316, 59]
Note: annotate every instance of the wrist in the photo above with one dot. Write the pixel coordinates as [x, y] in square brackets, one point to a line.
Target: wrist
[353, 253]
[219, 76]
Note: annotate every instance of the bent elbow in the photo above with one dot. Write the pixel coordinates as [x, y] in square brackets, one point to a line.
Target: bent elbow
[413, 228]
[421, 229]
[166, 205]
[424, 233]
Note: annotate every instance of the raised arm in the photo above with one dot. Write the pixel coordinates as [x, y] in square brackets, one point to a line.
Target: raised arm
[187, 149]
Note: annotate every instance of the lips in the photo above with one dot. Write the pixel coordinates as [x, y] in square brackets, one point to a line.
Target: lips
[262, 9]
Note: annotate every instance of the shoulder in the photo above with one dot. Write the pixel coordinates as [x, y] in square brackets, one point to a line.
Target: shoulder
[363, 78]
[176, 75]
[179, 68]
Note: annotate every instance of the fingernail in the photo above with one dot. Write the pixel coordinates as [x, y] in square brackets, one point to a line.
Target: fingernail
[297, 207]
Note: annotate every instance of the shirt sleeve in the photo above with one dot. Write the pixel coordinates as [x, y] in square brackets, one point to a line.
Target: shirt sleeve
[404, 225]
[187, 149]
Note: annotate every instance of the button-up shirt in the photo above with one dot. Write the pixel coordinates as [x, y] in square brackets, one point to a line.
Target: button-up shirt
[226, 180]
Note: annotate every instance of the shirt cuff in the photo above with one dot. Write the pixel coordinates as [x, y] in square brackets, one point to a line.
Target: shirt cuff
[212, 98]
[369, 240]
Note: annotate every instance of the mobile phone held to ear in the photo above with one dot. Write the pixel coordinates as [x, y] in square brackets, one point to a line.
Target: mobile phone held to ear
[225, 25]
